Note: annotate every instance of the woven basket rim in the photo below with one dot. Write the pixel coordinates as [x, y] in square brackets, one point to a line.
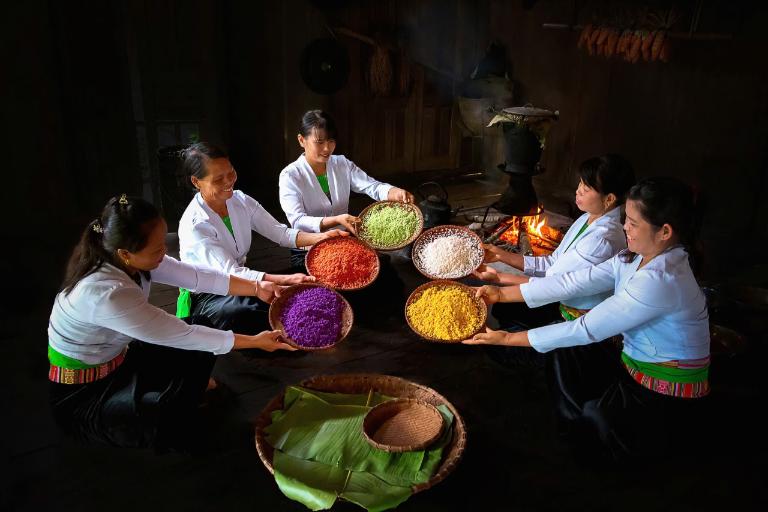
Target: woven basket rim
[290, 291]
[396, 404]
[414, 236]
[374, 274]
[445, 227]
[452, 452]
[447, 282]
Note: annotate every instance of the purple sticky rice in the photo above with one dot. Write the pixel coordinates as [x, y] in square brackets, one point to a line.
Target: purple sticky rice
[312, 317]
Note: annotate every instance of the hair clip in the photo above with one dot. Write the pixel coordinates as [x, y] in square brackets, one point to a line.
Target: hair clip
[123, 199]
[97, 228]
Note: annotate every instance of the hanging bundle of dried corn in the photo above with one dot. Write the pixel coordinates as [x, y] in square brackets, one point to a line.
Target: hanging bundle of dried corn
[380, 75]
[650, 42]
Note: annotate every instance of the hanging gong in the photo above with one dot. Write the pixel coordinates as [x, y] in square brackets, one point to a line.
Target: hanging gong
[324, 66]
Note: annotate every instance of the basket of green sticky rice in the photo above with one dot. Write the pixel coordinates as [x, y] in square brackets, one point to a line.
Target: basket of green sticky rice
[312, 438]
[390, 225]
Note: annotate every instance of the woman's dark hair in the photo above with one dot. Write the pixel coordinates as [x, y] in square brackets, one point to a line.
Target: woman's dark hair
[195, 156]
[318, 120]
[666, 200]
[608, 174]
[125, 223]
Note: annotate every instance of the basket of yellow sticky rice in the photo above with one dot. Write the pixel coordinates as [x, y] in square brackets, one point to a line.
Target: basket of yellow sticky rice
[445, 311]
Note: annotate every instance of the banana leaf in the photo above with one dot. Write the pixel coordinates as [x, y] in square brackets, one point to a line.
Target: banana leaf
[317, 485]
[318, 438]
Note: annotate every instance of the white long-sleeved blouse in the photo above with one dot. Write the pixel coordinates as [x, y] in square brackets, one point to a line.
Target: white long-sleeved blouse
[601, 240]
[303, 200]
[660, 309]
[106, 310]
[204, 239]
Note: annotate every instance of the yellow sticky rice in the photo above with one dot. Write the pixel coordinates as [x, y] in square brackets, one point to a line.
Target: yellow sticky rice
[446, 313]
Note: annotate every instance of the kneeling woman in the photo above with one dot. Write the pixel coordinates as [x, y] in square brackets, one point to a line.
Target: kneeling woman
[595, 237]
[124, 372]
[314, 190]
[641, 402]
[215, 232]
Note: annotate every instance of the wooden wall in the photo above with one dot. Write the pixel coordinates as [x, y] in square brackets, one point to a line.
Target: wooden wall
[702, 117]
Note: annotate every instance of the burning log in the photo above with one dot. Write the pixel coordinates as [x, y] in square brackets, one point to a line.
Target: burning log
[543, 239]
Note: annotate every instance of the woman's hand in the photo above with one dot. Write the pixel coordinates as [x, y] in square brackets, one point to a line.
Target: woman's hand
[489, 294]
[348, 221]
[333, 233]
[489, 337]
[268, 341]
[398, 194]
[268, 291]
[289, 279]
[492, 253]
[304, 239]
[486, 273]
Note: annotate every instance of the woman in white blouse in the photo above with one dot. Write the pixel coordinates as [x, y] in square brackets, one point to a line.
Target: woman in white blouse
[215, 232]
[123, 371]
[595, 237]
[314, 190]
[646, 399]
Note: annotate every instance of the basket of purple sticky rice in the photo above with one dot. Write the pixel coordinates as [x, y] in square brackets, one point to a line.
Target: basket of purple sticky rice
[311, 316]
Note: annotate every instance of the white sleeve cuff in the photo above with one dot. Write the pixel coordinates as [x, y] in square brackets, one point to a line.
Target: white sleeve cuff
[383, 191]
[529, 265]
[292, 235]
[225, 339]
[308, 224]
[212, 281]
[534, 338]
[528, 297]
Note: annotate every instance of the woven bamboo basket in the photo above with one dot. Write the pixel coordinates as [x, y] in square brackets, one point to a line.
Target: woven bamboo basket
[278, 305]
[432, 234]
[403, 425]
[481, 307]
[361, 232]
[384, 384]
[315, 248]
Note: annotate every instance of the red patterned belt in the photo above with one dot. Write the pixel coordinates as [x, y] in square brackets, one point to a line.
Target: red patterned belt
[84, 375]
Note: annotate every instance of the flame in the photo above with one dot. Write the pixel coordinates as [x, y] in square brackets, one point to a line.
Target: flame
[535, 225]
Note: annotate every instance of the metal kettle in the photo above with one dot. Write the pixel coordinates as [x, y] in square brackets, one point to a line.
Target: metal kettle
[435, 207]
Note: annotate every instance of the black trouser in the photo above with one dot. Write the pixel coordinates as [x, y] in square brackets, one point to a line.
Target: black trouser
[151, 400]
[242, 315]
[517, 316]
[601, 408]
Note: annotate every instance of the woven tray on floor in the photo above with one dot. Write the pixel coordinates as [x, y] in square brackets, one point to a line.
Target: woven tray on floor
[384, 384]
[403, 425]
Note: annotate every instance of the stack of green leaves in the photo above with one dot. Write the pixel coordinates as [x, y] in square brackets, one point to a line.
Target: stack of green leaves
[321, 453]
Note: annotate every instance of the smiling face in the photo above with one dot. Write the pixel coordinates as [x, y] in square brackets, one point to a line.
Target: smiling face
[218, 184]
[318, 148]
[643, 237]
[149, 257]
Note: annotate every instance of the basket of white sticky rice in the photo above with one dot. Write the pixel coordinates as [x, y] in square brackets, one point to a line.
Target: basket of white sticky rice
[447, 252]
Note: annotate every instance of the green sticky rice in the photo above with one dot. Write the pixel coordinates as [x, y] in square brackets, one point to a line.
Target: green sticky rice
[389, 225]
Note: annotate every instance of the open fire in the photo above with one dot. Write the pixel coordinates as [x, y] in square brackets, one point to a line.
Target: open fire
[542, 238]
